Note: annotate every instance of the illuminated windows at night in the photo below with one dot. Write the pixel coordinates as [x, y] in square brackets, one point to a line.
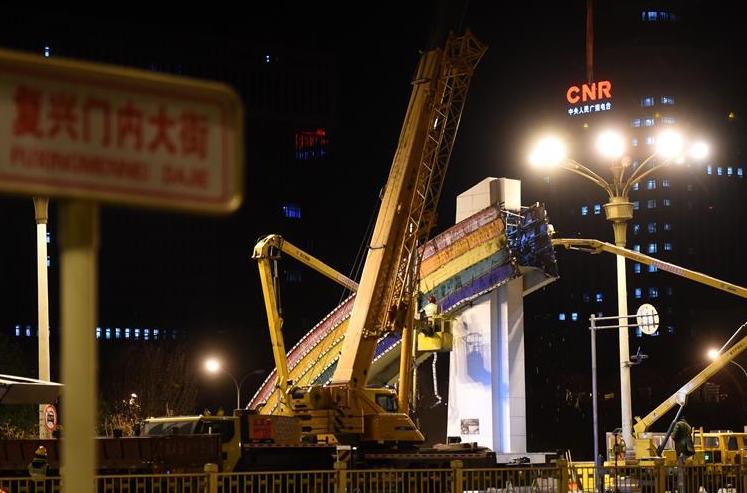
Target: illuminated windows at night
[709, 170]
[653, 292]
[651, 184]
[636, 122]
[740, 172]
[658, 16]
[574, 316]
[667, 247]
[636, 205]
[720, 171]
[653, 248]
[651, 204]
[584, 210]
[292, 211]
[667, 120]
[636, 186]
[636, 229]
[666, 183]
[599, 297]
[585, 297]
[652, 228]
[637, 268]
[561, 316]
[637, 248]
[667, 202]
[650, 140]
[652, 268]
[729, 171]
[647, 101]
[634, 142]
[638, 293]
[667, 99]
[648, 122]
[667, 227]
[311, 144]
[47, 51]
[597, 209]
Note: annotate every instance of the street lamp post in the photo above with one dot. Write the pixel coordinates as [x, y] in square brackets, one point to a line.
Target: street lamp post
[213, 365]
[551, 152]
[41, 215]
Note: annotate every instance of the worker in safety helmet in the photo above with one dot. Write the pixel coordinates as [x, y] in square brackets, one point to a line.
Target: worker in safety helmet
[39, 464]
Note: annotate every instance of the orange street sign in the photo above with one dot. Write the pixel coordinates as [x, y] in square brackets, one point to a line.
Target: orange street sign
[116, 135]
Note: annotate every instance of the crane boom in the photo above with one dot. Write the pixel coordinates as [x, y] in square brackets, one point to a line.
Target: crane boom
[679, 397]
[263, 253]
[409, 203]
[596, 246]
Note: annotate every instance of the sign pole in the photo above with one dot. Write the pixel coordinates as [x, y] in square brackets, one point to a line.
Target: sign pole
[79, 232]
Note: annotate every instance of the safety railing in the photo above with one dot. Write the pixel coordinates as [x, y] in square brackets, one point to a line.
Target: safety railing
[557, 478]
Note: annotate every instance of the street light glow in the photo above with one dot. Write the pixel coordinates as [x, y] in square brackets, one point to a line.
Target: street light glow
[549, 151]
[610, 144]
[699, 150]
[669, 144]
[212, 365]
[713, 354]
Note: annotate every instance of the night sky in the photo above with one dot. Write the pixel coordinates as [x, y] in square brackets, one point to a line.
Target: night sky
[178, 271]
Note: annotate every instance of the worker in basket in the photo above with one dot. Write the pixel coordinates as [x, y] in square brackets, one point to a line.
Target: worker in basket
[430, 310]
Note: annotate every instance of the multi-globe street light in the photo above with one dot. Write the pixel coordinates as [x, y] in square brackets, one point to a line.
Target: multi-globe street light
[551, 152]
[214, 365]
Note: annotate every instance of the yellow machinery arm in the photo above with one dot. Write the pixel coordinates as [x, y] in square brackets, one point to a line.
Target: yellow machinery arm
[266, 252]
[680, 396]
[596, 246]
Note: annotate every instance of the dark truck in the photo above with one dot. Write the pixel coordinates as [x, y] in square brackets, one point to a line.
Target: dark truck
[127, 455]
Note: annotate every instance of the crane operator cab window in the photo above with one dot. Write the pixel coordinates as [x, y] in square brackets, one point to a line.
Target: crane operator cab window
[225, 428]
[387, 401]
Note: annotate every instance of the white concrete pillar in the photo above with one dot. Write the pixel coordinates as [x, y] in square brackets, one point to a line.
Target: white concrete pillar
[487, 399]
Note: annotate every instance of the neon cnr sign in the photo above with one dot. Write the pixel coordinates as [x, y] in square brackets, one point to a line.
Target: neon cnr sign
[589, 98]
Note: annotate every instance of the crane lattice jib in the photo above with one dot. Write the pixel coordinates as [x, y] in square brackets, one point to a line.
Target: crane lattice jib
[460, 57]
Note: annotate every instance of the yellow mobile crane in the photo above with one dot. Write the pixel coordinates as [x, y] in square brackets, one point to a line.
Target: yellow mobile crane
[346, 408]
[646, 445]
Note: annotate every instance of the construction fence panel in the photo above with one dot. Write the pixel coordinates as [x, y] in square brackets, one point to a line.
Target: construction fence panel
[398, 481]
[511, 480]
[27, 485]
[277, 482]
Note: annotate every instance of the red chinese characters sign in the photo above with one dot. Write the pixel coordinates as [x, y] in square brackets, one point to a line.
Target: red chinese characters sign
[72, 129]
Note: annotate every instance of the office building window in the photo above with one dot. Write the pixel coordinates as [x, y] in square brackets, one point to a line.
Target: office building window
[636, 186]
[740, 172]
[561, 316]
[669, 291]
[584, 210]
[720, 171]
[108, 333]
[647, 101]
[709, 170]
[653, 293]
[729, 171]
[652, 248]
[98, 332]
[599, 297]
[636, 122]
[638, 293]
[667, 247]
[651, 184]
[634, 142]
[648, 122]
[652, 228]
[292, 211]
[652, 268]
[667, 226]
[574, 316]
[667, 202]
[311, 144]
[117, 333]
[637, 248]
[546, 178]
[597, 209]
[636, 205]
[650, 140]
[127, 333]
[667, 120]
[651, 204]
[637, 268]
[49, 237]
[636, 229]
[666, 99]
[137, 333]
[666, 183]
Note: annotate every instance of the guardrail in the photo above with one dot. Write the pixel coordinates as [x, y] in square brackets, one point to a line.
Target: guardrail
[558, 478]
